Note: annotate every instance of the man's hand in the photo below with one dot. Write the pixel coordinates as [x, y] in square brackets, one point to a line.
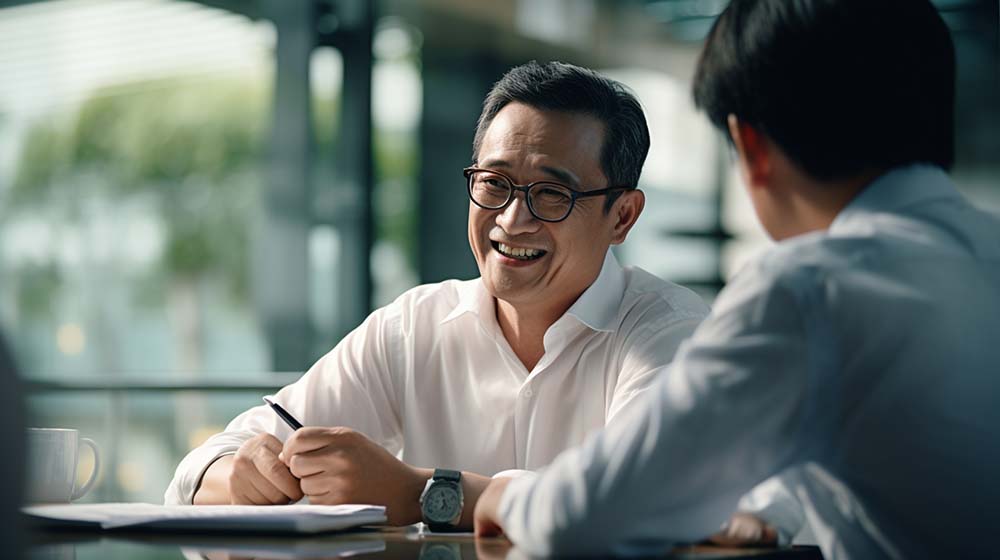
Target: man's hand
[341, 466]
[259, 477]
[487, 517]
[745, 529]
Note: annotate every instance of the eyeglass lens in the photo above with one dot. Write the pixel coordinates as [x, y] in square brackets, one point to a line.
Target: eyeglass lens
[547, 201]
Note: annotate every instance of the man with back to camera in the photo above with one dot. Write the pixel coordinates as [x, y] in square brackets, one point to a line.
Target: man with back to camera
[860, 352]
[501, 372]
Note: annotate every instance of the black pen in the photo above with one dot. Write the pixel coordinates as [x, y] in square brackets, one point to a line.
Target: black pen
[283, 414]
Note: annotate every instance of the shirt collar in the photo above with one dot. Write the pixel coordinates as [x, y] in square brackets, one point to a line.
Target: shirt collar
[597, 307]
[472, 298]
[896, 189]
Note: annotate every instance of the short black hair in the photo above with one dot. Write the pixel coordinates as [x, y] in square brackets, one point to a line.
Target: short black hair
[842, 86]
[557, 86]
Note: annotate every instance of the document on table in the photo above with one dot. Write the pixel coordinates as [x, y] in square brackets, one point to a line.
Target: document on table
[283, 519]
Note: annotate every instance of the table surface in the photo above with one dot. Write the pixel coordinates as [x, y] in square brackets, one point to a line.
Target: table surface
[375, 543]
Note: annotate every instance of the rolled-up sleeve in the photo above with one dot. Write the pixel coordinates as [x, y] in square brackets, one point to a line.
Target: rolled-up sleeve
[352, 386]
[727, 414]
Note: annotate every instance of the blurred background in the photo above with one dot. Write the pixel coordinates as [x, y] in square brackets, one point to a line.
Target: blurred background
[200, 198]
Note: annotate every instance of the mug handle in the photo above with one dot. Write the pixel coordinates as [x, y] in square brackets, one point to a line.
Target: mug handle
[79, 492]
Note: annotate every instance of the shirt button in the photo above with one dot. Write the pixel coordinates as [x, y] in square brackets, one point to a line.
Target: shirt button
[527, 393]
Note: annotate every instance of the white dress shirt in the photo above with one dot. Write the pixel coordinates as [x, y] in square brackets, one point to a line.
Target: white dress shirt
[432, 379]
[867, 358]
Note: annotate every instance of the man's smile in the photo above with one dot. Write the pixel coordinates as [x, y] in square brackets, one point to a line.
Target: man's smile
[518, 253]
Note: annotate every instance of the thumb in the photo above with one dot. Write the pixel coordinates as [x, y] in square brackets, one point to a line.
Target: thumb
[486, 528]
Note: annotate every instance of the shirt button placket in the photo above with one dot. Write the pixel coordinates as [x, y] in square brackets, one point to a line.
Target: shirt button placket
[522, 411]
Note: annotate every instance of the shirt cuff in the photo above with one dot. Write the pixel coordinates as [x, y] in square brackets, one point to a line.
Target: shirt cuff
[512, 473]
[189, 474]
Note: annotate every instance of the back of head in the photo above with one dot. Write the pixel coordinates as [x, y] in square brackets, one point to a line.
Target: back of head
[842, 86]
[556, 86]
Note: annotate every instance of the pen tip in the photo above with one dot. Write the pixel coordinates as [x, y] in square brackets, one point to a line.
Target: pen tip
[267, 400]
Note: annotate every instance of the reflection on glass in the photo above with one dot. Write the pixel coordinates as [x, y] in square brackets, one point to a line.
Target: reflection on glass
[440, 551]
[279, 549]
[53, 552]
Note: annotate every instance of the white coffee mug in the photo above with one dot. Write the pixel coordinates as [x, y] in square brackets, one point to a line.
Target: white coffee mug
[53, 454]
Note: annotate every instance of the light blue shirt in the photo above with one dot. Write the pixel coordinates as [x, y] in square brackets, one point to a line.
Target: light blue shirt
[863, 361]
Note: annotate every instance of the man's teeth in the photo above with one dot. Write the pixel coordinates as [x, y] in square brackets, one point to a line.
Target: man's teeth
[518, 252]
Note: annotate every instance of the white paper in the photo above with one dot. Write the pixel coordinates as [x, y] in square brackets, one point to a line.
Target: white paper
[290, 518]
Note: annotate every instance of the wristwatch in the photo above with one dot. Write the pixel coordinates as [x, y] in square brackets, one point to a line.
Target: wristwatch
[441, 502]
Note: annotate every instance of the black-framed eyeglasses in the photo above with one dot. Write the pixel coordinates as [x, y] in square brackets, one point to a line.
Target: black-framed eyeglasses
[547, 201]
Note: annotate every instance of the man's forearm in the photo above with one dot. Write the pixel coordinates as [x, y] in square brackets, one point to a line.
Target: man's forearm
[214, 486]
[214, 489]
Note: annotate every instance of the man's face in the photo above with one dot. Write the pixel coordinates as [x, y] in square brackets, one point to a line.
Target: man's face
[529, 145]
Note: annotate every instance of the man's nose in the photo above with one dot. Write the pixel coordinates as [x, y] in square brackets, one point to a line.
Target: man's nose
[516, 218]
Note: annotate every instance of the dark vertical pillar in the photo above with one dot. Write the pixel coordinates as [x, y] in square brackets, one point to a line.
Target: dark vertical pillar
[281, 275]
[354, 161]
[454, 84]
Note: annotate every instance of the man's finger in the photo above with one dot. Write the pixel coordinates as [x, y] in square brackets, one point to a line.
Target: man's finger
[319, 486]
[744, 529]
[271, 493]
[316, 461]
[244, 493]
[311, 438]
[278, 476]
[486, 528]
[272, 443]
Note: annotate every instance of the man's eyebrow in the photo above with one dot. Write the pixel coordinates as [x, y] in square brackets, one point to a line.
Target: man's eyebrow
[489, 163]
[558, 174]
[562, 175]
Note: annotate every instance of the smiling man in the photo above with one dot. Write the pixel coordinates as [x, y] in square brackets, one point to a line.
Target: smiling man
[458, 381]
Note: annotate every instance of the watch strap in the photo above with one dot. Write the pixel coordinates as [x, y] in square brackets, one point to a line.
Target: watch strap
[443, 528]
[447, 474]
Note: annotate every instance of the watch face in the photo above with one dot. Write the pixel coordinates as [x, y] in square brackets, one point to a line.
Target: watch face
[441, 503]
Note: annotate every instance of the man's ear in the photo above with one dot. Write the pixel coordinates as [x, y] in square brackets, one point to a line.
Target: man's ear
[626, 211]
[753, 151]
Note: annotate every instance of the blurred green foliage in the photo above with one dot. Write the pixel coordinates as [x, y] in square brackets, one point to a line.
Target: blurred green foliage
[37, 284]
[193, 149]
